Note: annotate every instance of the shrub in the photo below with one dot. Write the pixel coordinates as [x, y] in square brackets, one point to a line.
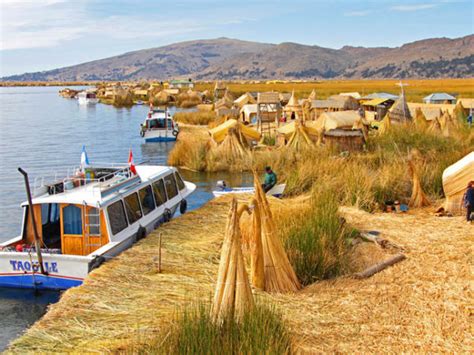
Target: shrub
[261, 331]
[316, 239]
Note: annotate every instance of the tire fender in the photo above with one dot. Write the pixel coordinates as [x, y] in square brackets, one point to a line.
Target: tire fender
[183, 206]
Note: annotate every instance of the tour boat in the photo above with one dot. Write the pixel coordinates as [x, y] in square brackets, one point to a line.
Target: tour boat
[86, 217]
[159, 126]
[223, 189]
[87, 98]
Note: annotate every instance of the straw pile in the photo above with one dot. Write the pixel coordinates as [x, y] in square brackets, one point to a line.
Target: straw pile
[233, 146]
[278, 272]
[161, 98]
[418, 197]
[233, 296]
[122, 97]
[300, 138]
[459, 113]
[385, 125]
[420, 119]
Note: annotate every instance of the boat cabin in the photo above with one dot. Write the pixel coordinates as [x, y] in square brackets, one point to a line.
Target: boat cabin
[86, 211]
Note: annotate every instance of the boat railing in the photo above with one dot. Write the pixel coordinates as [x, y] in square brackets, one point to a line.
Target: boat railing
[75, 177]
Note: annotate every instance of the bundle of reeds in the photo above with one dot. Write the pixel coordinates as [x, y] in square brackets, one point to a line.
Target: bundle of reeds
[278, 272]
[257, 267]
[233, 146]
[161, 98]
[299, 138]
[459, 113]
[233, 295]
[420, 119]
[418, 197]
[434, 126]
[385, 125]
[122, 97]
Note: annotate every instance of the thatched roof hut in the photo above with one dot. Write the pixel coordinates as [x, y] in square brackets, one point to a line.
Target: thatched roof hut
[400, 112]
[293, 109]
[455, 180]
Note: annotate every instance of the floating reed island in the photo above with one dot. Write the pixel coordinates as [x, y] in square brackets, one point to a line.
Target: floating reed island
[133, 304]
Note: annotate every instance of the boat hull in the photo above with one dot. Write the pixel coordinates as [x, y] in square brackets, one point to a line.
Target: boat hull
[276, 191]
[20, 270]
[159, 135]
[84, 101]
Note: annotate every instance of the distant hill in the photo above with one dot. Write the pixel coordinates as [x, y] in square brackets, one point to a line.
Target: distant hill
[229, 59]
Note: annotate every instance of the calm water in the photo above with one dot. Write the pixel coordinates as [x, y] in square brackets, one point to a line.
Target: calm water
[42, 133]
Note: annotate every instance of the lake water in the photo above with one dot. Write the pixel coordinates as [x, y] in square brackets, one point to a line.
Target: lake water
[43, 132]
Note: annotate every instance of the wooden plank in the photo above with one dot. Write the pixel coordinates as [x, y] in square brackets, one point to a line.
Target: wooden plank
[379, 267]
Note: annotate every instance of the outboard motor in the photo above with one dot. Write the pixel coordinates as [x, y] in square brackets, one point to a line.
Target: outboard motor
[221, 184]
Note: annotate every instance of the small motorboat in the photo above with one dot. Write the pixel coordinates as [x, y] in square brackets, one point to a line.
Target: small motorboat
[85, 217]
[223, 189]
[159, 126]
[87, 98]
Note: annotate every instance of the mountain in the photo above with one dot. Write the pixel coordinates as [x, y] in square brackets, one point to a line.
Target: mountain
[230, 59]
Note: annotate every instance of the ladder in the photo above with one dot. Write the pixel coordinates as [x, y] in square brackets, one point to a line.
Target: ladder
[92, 214]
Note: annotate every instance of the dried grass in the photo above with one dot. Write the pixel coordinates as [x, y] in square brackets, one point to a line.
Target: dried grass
[420, 305]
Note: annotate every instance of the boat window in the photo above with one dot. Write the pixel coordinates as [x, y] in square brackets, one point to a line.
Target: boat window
[117, 219]
[153, 123]
[179, 181]
[146, 198]
[94, 221]
[72, 216]
[132, 205]
[171, 189]
[159, 192]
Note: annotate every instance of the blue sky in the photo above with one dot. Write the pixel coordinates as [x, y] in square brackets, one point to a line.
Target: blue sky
[46, 34]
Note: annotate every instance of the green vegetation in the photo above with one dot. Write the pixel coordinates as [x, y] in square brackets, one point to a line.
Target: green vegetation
[316, 240]
[261, 331]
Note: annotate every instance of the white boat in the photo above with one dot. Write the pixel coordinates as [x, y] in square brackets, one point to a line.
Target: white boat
[83, 219]
[159, 126]
[87, 98]
[222, 189]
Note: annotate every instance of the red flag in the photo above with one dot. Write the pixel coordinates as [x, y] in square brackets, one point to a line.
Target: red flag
[130, 163]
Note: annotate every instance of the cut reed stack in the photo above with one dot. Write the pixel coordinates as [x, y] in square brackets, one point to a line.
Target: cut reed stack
[300, 137]
[233, 146]
[418, 197]
[256, 249]
[278, 272]
[233, 295]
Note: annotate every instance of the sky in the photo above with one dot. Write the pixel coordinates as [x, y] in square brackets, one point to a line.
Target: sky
[40, 35]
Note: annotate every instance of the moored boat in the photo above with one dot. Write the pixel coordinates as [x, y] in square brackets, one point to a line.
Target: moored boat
[159, 126]
[87, 98]
[87, 217]
[223, 189]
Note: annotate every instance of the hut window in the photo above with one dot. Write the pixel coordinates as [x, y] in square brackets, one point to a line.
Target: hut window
[146, 198]
[117, 219]
[132, 205]
[179, 181]
[72, 216]
[171, 189]
[159, 192]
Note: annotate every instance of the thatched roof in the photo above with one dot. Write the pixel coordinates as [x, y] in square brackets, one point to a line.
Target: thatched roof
[219, 133]
[268, 98]
[467, 102]
[400, 111]
[333, 120]
[430, 111]
[244, 99]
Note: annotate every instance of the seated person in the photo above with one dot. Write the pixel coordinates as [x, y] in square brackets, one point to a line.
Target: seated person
[270, 179]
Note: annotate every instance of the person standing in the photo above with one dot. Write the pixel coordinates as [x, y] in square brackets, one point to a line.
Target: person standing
[270, 179]
[468, 200]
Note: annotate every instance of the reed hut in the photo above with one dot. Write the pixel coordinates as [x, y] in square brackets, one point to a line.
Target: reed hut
[312, 96]
[248, 113]
[293, 110]
[468, 104]
[219, 90]
[122, 97]
[219, 133]
[335, 103]
[376, 109]
[268, 112]
[161, 98]
[243, 100]
[140, 94]
[459, 113]
[399, 112]
[455, 179]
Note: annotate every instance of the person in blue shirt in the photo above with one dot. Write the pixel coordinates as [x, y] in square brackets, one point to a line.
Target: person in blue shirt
[270, 179]
[469, 200]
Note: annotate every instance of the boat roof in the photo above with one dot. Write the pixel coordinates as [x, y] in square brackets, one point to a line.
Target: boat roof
[98, 193]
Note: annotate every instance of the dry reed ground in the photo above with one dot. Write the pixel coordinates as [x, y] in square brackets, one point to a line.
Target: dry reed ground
[421, 304]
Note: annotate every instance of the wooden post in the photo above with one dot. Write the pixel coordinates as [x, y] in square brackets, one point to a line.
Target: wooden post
[33, 221]
[379, 267]
[159, 256]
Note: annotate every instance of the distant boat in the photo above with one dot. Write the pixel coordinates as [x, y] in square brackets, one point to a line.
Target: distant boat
[86, 217]
[159, 126]
[87, 98]
[222, 189]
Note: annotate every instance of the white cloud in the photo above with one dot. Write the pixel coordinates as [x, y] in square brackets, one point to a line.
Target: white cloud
[357, 13]
[414, 7]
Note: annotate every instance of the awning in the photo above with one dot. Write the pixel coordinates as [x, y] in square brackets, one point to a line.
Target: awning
[374, 102]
